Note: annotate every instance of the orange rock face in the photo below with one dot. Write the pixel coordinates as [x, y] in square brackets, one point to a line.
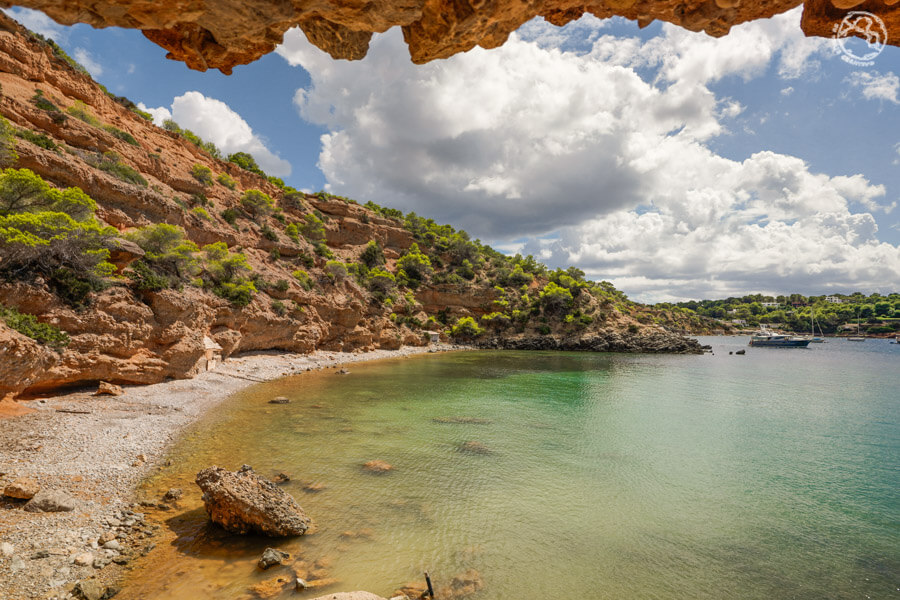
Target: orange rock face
[220, 34]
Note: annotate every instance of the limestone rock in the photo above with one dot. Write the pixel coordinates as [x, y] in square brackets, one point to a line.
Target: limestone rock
[89, 590]
[242, 502]
[109, 389]
[50, 501]
[226, 33]
[23, 488]
[84, 559]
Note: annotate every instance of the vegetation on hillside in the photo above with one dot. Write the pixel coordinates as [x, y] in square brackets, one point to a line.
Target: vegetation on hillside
[792, 312]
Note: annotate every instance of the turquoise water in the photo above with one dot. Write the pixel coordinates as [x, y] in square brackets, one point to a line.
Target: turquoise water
[770, 475]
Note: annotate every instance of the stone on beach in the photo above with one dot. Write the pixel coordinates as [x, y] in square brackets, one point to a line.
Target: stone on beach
[23, 488]
[109, 389]
[242, 502]
[50, 501]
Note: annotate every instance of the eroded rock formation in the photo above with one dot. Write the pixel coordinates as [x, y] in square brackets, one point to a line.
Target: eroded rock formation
[220, 34]
[242, 502]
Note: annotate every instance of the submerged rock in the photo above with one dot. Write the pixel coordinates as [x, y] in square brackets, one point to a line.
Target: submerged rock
[242, 502]
[378, 467]
[280, 400]
[271, 557]
[473, 447]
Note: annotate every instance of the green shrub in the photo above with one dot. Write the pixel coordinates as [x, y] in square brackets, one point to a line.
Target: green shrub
[313, 228]
[145, 279]
[380, 282]
[201, 212]
[8, 154]
[323, 250]
[230, 215]
[466, 328]
[208, 147]
[279, 308]
[556, 299]
[22, 190]
[110, 162]
[518, 277]
[414, 263]
[79, 110]
[336, 270]
[246, 162]
[203, 174]
[57, 238]
[293, 232]
[38, 139]
[226, 180]
[168, 254]
[122, 135]
[496, 319]
[258, 204]
[303, 279]
[41, 101]
[269, 233]
[141, 113]
[373, 255]
[238, 293]
[293, 200]
[28, 325]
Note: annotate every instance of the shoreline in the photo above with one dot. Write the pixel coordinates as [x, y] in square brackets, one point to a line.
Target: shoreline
[98, 449]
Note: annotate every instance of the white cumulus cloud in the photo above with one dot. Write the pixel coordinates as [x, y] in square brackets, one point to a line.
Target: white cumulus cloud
[875, 86]
[38, 22]
[216, 122]
[593, 161]
[88, 62]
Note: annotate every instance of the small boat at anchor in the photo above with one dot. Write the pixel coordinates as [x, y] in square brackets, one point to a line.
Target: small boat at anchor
[767, 338]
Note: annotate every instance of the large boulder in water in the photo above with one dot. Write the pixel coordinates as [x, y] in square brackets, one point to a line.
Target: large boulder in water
[243, 502]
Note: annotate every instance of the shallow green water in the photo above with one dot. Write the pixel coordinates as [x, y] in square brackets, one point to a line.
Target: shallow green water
[770, 475]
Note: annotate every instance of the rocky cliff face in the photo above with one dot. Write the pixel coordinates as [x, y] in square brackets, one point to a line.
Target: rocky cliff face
[126, 334]
[220, 34]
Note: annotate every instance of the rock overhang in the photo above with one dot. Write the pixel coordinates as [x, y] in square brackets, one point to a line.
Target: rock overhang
[222, 34]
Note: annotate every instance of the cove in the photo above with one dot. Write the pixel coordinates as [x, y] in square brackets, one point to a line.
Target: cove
[774, 474]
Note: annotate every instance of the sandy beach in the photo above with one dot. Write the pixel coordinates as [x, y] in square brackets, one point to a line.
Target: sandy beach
[96, 450]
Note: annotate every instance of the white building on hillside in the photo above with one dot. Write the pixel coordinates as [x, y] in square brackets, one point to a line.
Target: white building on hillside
[833, 300]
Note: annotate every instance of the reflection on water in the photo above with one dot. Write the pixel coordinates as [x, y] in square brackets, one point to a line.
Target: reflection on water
[555, 475]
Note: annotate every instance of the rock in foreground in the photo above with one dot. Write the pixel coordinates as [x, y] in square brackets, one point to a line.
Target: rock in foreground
[242, 502]
[23, 488]
[50, 501]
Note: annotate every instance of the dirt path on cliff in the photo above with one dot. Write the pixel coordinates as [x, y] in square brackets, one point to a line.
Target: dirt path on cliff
[96, 450]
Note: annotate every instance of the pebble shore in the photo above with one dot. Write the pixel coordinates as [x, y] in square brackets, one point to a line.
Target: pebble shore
[97, 449]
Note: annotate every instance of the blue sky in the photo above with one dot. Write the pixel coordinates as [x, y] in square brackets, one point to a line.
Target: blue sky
[675, 165]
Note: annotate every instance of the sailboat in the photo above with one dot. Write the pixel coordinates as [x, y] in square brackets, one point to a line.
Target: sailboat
[857, 337]
[812, 329]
